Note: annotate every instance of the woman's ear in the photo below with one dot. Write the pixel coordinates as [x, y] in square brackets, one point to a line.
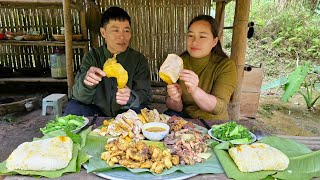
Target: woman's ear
[215, 41]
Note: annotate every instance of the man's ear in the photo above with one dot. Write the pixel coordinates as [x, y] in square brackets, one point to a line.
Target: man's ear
[103, 32]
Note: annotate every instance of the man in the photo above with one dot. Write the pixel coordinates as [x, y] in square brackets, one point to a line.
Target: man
[94, 93]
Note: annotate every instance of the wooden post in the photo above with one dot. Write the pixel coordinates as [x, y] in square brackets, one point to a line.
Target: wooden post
[68, 43]
[83, 27]
[94, 39]
[220, 12]
[93, 17]
[238, 51]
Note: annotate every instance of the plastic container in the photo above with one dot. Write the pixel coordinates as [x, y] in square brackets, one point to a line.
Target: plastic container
[2, 36]
[61, 30]
[58, 64]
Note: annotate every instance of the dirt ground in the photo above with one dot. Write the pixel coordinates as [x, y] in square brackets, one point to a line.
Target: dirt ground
[273, 117]
[290, 118]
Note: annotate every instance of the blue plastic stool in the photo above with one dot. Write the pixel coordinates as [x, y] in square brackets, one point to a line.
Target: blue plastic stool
[57, 101]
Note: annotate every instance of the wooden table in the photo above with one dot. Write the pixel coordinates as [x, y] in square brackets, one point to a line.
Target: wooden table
[312, 142]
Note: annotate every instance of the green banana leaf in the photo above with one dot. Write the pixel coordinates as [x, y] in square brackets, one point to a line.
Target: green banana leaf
[317, 86]
[317, 69]
[286, 146]
[302, 167]
[276, 83]
[304, 164]
[95, 146]
[295, 79]
[78, 158]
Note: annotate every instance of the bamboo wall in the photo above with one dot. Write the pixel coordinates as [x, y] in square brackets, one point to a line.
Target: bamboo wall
[47, 20]
[159, 27]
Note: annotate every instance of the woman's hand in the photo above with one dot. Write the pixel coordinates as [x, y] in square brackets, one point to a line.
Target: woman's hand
[123, 96]
[191, 80]
[174, 91]
[93, 77]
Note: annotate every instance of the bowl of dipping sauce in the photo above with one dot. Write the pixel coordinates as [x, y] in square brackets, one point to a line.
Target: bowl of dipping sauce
[155, 131]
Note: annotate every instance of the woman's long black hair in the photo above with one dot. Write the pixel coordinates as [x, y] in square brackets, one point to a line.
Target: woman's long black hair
[214, 30]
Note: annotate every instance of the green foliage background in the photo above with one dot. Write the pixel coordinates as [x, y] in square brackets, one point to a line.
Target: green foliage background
[283, 37]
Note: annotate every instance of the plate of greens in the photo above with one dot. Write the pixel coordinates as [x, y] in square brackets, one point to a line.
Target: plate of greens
[70, 122]
[232, 132]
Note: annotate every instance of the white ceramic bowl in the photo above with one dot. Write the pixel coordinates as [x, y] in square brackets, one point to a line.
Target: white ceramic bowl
[155, 136]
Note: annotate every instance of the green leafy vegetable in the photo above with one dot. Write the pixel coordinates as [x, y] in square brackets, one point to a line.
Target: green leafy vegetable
[69, 122]
[232, 132]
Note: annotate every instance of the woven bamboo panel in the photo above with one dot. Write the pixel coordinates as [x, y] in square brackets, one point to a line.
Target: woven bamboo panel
[159, 26]
[46, 20]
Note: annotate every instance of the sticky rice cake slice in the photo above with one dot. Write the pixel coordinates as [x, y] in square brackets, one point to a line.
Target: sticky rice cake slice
[258, 157]
[42, 155]
[169, 70]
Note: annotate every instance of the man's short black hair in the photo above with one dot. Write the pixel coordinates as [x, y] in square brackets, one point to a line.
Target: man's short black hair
[114, 13]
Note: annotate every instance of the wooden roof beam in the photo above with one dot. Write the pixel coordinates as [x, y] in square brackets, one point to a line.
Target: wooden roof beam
[38, 4]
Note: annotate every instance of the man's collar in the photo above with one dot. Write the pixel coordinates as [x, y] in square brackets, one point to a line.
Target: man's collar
[106, 51]
[108, 54]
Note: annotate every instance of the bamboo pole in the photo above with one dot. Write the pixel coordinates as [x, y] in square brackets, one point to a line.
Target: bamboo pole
[68, 41]
[238, 50]
[83, 28]
[220, 12]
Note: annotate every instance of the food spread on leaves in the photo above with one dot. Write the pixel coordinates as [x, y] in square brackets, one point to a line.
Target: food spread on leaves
[185, 145]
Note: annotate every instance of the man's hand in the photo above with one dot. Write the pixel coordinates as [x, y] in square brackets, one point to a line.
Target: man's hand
[174, 91]
[94, 76]
[191, 80]
[123, 96]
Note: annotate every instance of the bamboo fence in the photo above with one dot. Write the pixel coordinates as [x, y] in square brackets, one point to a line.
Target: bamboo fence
[44, 19]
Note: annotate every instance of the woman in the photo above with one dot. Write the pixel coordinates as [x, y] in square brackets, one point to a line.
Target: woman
[209, 77]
